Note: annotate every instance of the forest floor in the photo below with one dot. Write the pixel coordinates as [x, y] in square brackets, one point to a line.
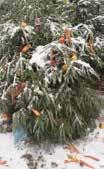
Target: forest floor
[48, 156]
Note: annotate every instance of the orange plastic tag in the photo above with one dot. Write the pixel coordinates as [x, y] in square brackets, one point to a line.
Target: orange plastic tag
[23, 24]
[101, 125]
[26, 48]
[36, 112]
[62, 40]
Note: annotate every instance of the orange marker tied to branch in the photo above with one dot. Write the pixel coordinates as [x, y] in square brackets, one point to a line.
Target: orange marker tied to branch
[35, 112]
[62, 40]
[26, 48]
[23, 24]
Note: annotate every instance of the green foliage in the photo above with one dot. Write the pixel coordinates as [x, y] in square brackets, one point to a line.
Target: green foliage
[65, 113]
[67, 103]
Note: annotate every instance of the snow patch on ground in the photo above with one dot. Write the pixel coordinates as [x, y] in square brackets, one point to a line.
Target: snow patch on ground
[48, 156]
[10, 153]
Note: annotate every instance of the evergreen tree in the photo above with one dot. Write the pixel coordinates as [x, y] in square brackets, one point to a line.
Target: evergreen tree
[56, 100]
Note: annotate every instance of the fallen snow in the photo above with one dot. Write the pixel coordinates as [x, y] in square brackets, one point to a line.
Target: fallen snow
[40, 55]
[52, 156]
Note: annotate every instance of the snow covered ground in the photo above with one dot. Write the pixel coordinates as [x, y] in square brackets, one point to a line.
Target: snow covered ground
[48, 156]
